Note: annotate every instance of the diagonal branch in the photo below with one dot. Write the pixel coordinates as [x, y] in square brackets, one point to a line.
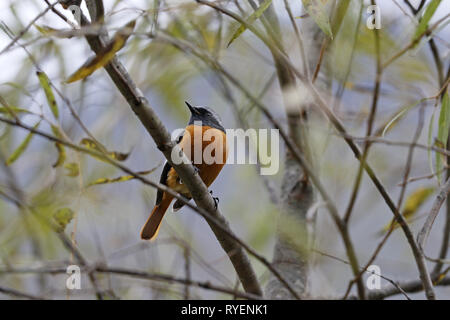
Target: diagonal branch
[211, 219]
[141, 107]
[426, 228]
[418, 255]
[19, 294]
[407, 286]
[125, 272]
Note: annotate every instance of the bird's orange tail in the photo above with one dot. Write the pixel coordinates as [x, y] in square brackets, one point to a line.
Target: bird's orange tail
[151, 228]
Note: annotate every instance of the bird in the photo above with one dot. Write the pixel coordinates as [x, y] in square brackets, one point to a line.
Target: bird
[204, 129]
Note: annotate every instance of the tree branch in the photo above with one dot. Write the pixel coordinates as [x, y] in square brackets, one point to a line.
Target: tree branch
[407, 286]
[19, 294]
[205, 214]
[141, 107]
[135, 274]
[426, 228]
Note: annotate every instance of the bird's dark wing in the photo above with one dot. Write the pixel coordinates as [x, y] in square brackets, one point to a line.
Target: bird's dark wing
[163, 180]
[164, 174]
[179, 204]
[180, 137]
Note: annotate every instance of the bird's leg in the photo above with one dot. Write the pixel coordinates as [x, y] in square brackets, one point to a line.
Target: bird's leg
[216, 200]
[197, 170]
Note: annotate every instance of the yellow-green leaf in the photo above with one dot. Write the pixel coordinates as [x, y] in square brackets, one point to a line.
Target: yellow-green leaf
[61, 155]
[317, 10]
[341, 11]
[73, 170]
[429, 12]
[412, 205]
[415, 200]
[13, 109]
[119, 156]
[396, 118]
[105, 56]
[22, 147]
[119, 179]
[46, 30]
[443, 127]
[62, 218]
[90, 144]
[61, 150]
[441, 277]
[45, 84]
[253, 17]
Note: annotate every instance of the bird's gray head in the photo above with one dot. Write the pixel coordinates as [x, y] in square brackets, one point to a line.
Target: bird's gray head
[206, 115]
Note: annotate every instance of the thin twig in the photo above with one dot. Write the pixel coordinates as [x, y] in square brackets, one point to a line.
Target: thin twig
[22, 33]
[136, 274]
[210, 218]
[140, 105]
[426, 228]
[19, 294]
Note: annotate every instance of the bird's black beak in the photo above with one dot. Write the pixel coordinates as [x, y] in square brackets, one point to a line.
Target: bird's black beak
[191, 108]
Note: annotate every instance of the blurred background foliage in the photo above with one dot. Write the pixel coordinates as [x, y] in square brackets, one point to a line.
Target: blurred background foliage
[107, 217]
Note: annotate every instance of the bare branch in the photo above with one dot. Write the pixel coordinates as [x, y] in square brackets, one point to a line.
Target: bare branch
[407, 286]
[426, 228]
[135, 274]
[19, 294]
[141, 107]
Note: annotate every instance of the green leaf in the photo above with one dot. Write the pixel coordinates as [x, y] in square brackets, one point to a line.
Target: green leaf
[73, 170]
[13, 109]
[62, 218]
[429, 12]
[398, 116]
[441, 276]
[61, 150]
[340, 14]
[120, 179]
[90, 144]
[253, 17]
[317, 10]
[415, 200]
[105, 56]
[61, 155]
[52, 32]
[45, 84]
[22, 147]
[412, 204]
[46, 30]
[443, 127]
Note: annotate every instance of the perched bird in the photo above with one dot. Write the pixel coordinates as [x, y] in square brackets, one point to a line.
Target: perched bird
[205, 131]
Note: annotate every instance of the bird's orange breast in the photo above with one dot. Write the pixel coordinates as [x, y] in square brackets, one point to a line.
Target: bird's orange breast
[207, 148]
